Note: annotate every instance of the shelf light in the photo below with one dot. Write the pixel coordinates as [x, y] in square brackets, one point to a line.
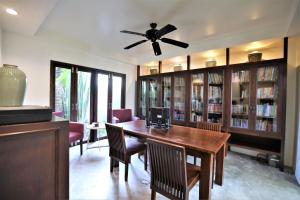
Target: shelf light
[11, 11]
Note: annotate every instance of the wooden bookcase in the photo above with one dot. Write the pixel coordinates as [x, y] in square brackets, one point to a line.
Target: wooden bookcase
[248, 99]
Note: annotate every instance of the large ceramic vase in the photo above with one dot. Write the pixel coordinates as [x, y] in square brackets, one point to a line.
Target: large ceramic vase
[12, 86]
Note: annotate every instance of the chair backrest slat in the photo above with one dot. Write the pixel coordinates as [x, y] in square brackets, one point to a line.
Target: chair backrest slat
[168, 169]
[209, 126]
[116, 140]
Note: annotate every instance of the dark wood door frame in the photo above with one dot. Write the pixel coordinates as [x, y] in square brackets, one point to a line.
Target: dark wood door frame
[94, 88]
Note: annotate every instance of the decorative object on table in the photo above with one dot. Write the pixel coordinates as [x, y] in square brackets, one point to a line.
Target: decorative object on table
[177, 68]
[211, 63]
[24, 114]
[153, 71]
[255, 56]
[12, 86]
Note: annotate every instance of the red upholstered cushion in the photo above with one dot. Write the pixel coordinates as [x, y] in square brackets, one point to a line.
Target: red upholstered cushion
[74, 136]
[124, 115]
[133, 146]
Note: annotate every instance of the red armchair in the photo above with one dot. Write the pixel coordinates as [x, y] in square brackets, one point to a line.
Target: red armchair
[76, 130]
[123, 115]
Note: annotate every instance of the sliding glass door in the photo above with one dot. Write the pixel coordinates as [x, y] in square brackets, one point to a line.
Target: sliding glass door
[84, 94]
[102, 115]
[63, 80]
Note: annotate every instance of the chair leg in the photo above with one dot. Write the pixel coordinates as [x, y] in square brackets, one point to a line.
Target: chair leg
[213, 173]
[195, 160]
[153, 195]
[126, 172]
[81, 147]
[111, 165]
[145, 159]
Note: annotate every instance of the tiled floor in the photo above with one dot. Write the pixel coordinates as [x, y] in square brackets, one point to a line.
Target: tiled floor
[245, 179]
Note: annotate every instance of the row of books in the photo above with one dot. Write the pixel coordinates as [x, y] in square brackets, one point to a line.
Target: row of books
[240, 76]
[214, 108]
[215, 92]
[266, 110]
[267, 74]
[215, 78]
[214, 120]
[197, 105]
[196, 118]
[178, 116]
[197, 91]
[266, 92]
[239, 123]
[240, 109]
[266, 125]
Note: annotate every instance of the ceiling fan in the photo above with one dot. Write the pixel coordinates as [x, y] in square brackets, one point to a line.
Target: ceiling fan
[153, 34]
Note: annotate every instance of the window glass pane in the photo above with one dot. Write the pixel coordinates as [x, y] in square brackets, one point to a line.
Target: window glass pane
[83, 97]
[240, 94]
[267, 98]
[116, 92]
[102, 97]
[166, 87]
[153, 93]
[179, 98]
[215, 97]
[143, 104]
[63, 91]
[197, 97]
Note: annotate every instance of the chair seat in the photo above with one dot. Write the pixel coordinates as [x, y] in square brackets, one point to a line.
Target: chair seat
[193, 174]
[74, 136]
[133, 146]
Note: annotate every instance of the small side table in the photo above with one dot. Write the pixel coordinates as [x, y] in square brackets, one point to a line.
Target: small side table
[101, 126]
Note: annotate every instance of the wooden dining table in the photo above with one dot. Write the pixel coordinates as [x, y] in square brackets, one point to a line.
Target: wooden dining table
[198, 142]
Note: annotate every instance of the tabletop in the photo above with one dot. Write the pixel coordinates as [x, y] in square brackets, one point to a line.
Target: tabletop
[192, 138]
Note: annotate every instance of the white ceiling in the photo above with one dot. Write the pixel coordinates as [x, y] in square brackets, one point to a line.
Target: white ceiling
[205, 24]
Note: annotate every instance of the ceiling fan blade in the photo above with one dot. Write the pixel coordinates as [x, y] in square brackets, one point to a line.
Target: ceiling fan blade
[156, 48]
[134, 44]
[134, 33]
[165, 30]
[175, 42]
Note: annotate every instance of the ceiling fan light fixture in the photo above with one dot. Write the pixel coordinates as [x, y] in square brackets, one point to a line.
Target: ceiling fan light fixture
[11, 11]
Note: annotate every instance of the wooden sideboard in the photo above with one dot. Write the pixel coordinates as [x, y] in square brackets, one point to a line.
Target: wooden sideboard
[34, 160]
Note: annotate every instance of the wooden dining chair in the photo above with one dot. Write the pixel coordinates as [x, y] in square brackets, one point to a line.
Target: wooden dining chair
[171, 175]
[122, 148]
[212, 127]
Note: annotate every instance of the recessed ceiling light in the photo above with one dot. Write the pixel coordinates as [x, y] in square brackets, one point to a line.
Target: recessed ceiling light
[11, 11]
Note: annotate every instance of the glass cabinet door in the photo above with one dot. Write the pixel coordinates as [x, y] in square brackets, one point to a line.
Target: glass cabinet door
[267, 98]
[166, 91]
[240, 98]
[179, 98]
[143, 102]
[215, 97]
[153, 92]
[197, 97]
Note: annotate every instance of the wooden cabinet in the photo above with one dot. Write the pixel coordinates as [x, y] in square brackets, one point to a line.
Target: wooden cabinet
[248, 99]
[34, 160]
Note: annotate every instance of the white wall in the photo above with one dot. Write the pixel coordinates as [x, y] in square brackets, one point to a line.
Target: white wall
[33, 55]
[0, 47]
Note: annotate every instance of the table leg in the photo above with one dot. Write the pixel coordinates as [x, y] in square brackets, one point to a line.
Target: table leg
[220, 165]
[206, 176]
